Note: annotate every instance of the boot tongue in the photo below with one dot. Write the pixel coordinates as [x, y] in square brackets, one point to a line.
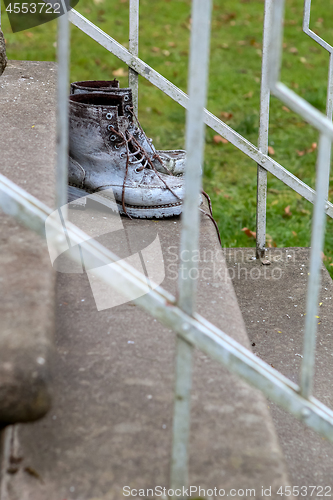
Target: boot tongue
[123, 123]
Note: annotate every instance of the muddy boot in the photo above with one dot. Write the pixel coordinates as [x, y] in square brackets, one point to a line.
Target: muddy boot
[106, 158]
[3, 57]
[168, 161]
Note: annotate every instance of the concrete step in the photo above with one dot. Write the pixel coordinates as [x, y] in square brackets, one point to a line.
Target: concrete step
[110, 425]
[27, 122]
[272, 301]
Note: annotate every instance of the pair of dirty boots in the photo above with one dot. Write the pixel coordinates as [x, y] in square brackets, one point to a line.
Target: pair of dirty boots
[110, 153]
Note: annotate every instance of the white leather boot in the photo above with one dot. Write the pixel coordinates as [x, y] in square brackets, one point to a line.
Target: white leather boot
[104, 155]
[165, 161]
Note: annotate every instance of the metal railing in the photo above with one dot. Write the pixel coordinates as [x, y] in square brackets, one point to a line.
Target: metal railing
[193, 330]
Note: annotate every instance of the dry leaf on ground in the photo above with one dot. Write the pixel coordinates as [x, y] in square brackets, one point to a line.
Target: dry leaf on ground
[249, 233]
[120, 72]
[217, 139]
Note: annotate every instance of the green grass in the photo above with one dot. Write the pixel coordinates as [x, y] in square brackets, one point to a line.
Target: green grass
[234, 88]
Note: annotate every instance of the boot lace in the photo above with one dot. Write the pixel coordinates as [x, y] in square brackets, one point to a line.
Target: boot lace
[136, 155]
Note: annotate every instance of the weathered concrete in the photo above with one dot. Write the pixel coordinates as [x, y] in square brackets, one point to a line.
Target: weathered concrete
[273, 308]
[27, 123]
[110, 425]
[3, 56]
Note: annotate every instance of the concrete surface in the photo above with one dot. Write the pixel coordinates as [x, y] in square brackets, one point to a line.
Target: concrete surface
[27, 123]
[273, 309]
[110, 425]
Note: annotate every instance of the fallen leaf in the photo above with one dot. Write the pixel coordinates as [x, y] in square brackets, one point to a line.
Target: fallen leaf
[274, 202]
[287, 212]
[172, 44]
[249, 233]
[294, 233]
[29, 34]
[248, 95]
[120, 72]
[166, 53]
[218, 138]
[270, 242]
[302, 59]
[155, 49]
[300, 153]
[286, 109]
[331, 264]
[226, 115]
[271, 150]
[313, 148]
[293, 50]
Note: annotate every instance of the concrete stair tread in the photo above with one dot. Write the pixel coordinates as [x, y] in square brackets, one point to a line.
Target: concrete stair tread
[273, 309]
[110, 425]
[27, 121]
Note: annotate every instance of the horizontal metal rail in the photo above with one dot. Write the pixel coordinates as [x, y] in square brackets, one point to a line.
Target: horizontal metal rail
[159, 303]
[211, 120]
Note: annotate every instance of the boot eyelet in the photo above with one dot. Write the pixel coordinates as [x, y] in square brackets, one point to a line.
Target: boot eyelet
[109, 116]
[116, 147]
[126, 98]
[128, 107]
[112, 137]
[136, 170]
[122, 155]
[110, 128]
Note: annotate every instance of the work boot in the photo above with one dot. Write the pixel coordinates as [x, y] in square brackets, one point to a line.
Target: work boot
[104, 155]
[167, 161]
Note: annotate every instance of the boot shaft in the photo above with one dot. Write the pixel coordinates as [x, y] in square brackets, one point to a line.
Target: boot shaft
[96, 124]
[106, 86]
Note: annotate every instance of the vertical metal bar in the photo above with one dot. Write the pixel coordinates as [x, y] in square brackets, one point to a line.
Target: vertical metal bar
[317, 241]
[133, 76]
[329, 110]
[62, 109]
[197, 85]
[263, 135]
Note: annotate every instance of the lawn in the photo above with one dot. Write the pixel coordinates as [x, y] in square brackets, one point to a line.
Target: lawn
[234, 93]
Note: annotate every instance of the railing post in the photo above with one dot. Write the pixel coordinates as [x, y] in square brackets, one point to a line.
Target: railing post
[198, 72]
[62, 109]
[133, 76]
[329, 48]
[263, 136]
[317, 241]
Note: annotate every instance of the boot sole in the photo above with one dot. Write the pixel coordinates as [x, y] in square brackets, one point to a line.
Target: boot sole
[77, 199]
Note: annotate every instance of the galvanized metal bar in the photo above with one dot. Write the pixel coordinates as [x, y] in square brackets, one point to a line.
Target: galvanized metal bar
[324, 125]
[306, 27]
[329, 48]
[329, 101]
[160, 304]
[63, 51]
[187, 284]
[211, 120]
[281, 91]
[181, 414]
[317, 242]
[133, 77]
[263, 136]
